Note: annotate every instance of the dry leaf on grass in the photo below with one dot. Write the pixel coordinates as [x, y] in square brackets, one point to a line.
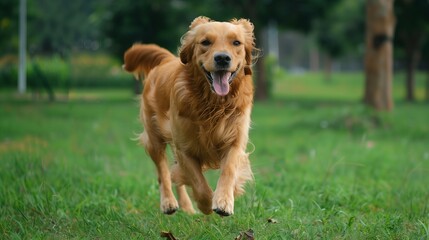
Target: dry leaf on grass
[168, 235]
[246, 235]
[272, 220]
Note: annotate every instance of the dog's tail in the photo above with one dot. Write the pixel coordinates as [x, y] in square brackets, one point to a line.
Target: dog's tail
[142, 58]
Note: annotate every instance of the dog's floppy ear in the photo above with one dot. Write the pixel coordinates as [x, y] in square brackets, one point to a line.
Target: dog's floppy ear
[185, 51]
[198, 21]
[187, 48]
[249, 44]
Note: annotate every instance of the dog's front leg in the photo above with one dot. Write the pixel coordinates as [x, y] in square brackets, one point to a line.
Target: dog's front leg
[223, 198]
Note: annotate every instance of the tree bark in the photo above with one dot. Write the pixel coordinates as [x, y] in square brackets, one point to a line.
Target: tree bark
[409, 81]
[412, 50]
[380, 24]
[427, 87]
[259, 76]
[328, 68]
[314, 59]
[261, 88]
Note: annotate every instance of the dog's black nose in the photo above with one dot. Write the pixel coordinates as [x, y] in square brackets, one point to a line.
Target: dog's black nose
[222, 59]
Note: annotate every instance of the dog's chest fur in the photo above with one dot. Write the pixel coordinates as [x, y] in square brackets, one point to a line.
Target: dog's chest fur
[205, 126]
[208, 134]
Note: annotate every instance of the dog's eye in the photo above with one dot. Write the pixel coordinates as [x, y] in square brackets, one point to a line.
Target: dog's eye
[236, 43]
[206, 42]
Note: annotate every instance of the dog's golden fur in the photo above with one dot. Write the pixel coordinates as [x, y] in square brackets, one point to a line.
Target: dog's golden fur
[200, 104]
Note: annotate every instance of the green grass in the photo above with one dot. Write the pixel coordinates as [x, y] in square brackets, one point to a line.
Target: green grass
[325, 167]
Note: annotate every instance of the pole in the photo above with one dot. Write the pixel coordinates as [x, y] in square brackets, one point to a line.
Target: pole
[22, 76]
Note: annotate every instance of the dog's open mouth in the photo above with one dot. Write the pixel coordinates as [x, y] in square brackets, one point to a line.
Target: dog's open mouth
[220, 80]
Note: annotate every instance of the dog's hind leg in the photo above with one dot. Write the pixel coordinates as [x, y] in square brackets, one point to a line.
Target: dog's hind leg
[156, 150]
[190, 173]
[179, 179]
[184, 200]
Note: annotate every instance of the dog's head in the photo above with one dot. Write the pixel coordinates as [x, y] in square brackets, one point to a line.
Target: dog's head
[220, 50]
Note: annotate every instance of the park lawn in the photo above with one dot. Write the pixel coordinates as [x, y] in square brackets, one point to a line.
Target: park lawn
[325, 167]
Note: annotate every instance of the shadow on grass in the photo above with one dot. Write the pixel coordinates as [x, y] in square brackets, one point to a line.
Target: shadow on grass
[289, 115]
[79, 96]
[305, 104]
[284, 117]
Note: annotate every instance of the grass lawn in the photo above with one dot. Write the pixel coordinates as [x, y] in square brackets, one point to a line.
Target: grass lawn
[325, 167]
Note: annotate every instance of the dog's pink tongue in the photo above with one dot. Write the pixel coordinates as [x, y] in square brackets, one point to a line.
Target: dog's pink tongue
[220, 82]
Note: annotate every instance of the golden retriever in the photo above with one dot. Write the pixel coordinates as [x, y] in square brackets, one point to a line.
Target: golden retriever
[200, 104]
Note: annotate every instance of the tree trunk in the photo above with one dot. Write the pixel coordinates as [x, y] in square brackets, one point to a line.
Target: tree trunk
[380, 24]
[261, 88]
[40, 76]
[328, 68]
[412, 49]
[314, 59]
[427, 87]
[259, 76]
[409, 81]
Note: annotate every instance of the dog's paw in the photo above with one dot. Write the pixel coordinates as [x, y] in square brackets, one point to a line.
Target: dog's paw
[169, 206]
[223, 205]
[204, 207]
[204, 200]
[170, 211]
[221, 212]
[186, 205]
[188, 209]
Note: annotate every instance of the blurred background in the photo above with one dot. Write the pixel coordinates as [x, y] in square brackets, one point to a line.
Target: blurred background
[79, 44]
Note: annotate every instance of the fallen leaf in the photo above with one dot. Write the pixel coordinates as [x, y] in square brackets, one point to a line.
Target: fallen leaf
[246, 235]
[168, 235]
[272, 220]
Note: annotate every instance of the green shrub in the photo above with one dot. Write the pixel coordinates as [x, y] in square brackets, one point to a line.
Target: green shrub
[100, 70]
[80, 71]
[273, 72]
[53, 71]
[8, 76]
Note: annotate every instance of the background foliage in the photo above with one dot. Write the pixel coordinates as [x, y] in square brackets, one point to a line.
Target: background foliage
[67, 29]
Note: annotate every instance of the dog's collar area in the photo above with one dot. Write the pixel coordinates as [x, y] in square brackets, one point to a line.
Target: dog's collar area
[220, 80]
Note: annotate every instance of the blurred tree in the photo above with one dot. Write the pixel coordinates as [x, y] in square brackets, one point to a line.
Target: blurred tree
[297, 15]
[412, 31]
[341, 30]
[128, 22]
[58, 27]
[8, 26]
[164, 21]
[425, 54]
[380, 24]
